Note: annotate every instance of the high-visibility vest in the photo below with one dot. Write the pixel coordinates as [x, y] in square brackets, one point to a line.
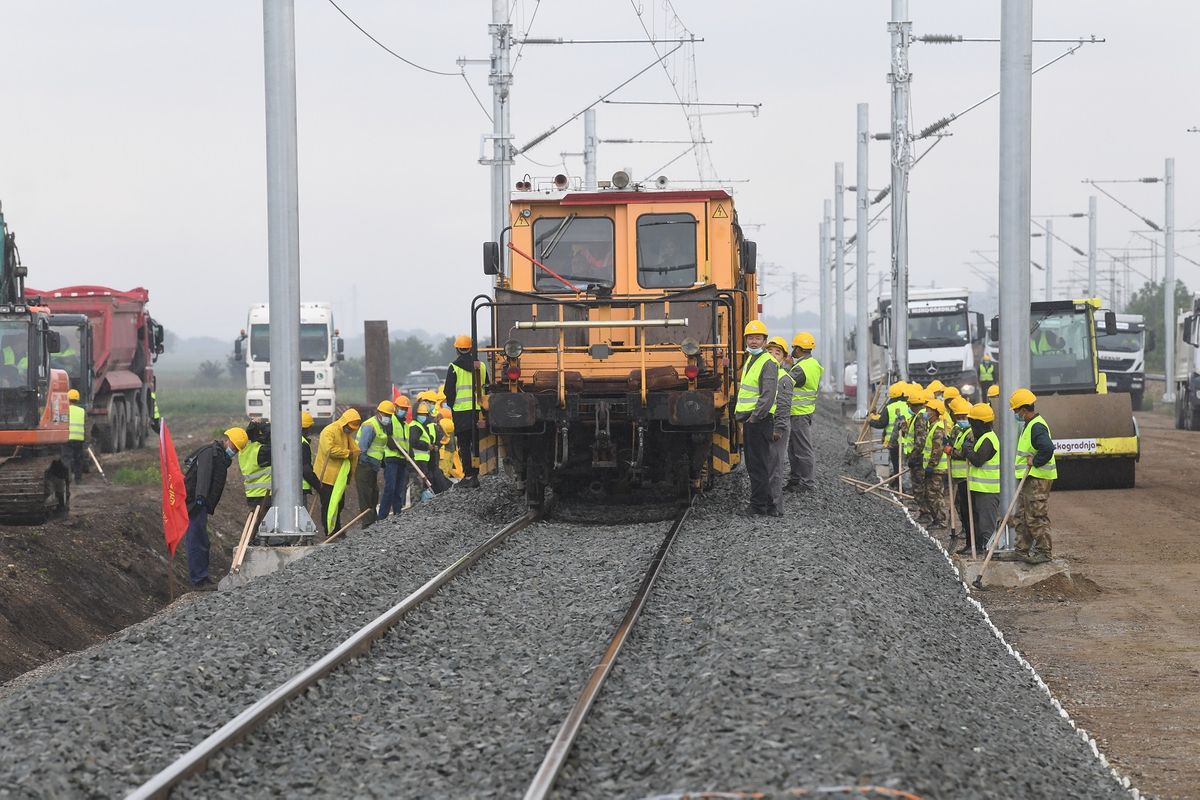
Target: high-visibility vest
[959, 467]
[1049, 470]
[927, 448]
[154, 405]
[10, 356]
[804, 396]
[400, 434]
[78, 421]
[897, 410]
[987, 371]
[464, 387]
[906, 439]
[421, 456]
[257, 480]
[378, 441]
[986, 479]
[748, 390]
[1040, 344]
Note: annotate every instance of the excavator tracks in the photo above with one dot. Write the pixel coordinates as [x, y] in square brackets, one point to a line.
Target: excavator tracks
[31, 488]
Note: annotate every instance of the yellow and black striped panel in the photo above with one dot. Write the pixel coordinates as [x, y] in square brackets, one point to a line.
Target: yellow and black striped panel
[722, 460]
[489, 455]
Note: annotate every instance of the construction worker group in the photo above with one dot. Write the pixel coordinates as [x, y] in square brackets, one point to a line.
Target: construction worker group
[937, 439]
[777, 395]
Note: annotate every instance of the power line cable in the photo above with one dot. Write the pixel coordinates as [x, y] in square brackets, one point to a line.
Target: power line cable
[388, 49]
[521, 47]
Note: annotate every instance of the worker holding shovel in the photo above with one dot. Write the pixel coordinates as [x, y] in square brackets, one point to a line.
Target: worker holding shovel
[983, 478]
[337, 453]
[1035, 455]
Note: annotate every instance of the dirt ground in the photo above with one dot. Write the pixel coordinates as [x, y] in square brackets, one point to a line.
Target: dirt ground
[66, 584]
[1120, 644]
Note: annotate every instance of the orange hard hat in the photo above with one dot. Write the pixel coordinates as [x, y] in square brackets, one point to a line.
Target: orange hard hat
[462, 342]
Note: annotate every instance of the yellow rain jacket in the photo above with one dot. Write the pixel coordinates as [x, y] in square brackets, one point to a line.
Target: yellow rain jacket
[336, 447]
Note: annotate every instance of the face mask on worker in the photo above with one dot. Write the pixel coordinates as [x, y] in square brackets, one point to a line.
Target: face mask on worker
[754, 351]
[229, 451]
[962, 423]
[422, 417]
[1018, 416]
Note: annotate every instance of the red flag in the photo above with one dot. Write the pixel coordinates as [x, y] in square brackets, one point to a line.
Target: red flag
[174, 495]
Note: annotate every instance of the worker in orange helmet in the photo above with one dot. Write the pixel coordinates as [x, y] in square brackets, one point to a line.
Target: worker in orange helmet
[465, 391]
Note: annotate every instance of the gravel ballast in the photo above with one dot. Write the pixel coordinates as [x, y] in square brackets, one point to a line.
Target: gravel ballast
[834, 646]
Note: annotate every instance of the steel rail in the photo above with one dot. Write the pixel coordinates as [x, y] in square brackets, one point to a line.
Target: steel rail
[560, 748]
[196, 759]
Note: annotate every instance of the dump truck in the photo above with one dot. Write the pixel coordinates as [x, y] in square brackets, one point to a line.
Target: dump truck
[1096, 439]
[1187, 368]
[321, 348]
[945, 339]
[109, 346]
[1122, 355]
[34, 410]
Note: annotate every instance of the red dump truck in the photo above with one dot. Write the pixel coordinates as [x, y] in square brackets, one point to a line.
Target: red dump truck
[109, 346]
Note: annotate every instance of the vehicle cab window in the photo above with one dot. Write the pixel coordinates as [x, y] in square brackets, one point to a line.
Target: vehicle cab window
[666, 251]
[579, 249]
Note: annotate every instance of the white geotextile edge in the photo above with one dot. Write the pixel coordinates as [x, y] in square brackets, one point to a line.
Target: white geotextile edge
[1122, 780]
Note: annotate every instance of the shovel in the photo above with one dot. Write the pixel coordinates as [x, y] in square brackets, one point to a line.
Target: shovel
[427, 492]
[96, 461]
[978, 582]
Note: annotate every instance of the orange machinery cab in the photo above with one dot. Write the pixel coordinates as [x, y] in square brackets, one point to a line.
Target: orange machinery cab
[616, 319]
[34, 409]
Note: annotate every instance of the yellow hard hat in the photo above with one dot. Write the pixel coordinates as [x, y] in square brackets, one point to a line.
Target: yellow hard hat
[447, 426]
[403, 402]
[238, 437]
[935, 386]
[951, 392]
[73, 394]
[426, 397]
[306, 420]
[755, 326]
[982, 412]
[1021, 397]
[462, 342]
[993, 391]
[778, 341]
[386, 407]
[896, 390]
[935, 404]
[915, 395]
[804, 340]
[958, 406]
[422, 408]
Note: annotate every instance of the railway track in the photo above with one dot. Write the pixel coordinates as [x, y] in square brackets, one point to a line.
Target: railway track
[196, 760]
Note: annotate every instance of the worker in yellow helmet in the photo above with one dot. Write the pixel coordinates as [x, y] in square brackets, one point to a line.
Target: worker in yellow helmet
[781, 432]
[993, 391]
[912, 443]
[806, 374]
[934, 464]
[894, 412]
[76, 434]
[983, 476]
[960, 441]
[755, 410]
[204, 474]
[1035, 458]
[987, 373]
[465, 388]
[375, 438]
[395, 465]
[308, 478]
[337, 454]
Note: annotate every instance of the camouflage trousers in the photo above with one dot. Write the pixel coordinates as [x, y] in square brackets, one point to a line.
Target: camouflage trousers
[933, 498]
[1033, 517]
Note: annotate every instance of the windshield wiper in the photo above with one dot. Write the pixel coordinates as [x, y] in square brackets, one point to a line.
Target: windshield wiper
[557, 235]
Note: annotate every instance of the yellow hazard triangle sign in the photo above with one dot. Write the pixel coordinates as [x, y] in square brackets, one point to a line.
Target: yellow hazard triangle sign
[720, 213]
[521, 223]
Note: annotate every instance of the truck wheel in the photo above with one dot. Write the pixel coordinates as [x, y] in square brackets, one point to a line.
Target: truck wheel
[118, 426]
[1193, 416]
[1180, 407]
[1136, 399]
[134, 427]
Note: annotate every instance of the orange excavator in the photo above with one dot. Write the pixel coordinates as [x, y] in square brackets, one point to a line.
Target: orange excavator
[34, 409]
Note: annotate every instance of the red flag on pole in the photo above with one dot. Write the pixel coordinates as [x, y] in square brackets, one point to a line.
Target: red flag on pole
[174, 495]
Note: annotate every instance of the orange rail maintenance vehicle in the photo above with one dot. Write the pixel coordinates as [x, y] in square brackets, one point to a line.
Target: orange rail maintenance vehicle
[615, 337]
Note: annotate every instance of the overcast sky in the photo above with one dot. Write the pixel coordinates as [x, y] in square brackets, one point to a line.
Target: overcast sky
[132, 146]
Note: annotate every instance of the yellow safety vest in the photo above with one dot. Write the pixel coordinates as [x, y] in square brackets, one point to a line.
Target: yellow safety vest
[907, 445]
[986, 479]
[464, 387]
[804, 397]
[927, 448]
[378, 441]
[1049, 470]
[78, 422]
[897, 409]
[987, 371]
[427, 438]
[748, 390]
[304, 484]
[154, 405]
[257, 479]
[959, 467]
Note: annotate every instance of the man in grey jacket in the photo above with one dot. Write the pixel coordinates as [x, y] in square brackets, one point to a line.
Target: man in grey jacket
[781, 428]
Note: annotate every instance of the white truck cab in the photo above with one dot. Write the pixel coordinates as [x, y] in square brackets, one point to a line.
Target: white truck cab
[1187, 368]
[321, 347]
[1122, 355]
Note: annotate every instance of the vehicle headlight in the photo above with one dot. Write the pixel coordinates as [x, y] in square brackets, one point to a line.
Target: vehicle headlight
[513, 348]
[967, 389]
[690, 347]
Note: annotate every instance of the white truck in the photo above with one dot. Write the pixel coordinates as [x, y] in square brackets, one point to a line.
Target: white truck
[944, 338]
[321, 348]
[1187, 369]
[1121, 356]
